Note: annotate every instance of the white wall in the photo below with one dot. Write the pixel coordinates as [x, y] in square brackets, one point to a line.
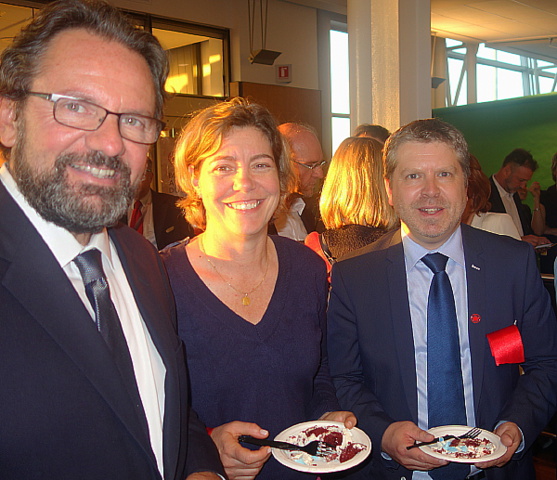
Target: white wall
[292, 30]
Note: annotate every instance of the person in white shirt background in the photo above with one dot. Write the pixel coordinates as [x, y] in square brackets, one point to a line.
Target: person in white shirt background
[306, 156]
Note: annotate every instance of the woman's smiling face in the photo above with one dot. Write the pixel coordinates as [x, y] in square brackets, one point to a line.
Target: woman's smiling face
[239, 184]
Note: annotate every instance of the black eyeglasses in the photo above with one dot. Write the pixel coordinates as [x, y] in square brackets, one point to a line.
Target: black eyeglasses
[312, 166]
[83, 115]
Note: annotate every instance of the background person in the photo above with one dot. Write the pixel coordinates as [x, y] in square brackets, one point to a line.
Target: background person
[155, 214]
[378, 132]
[516, 171]
[302, 202]
[354, 206]
[93, 377]
[536, 216]
[251, 308]
[548, 200]
[477, 211]
[548, 213]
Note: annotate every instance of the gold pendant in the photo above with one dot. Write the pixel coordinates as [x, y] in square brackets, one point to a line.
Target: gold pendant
[245, 300]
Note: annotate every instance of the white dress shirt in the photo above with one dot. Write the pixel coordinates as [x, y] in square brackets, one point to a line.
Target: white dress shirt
[510, 206]
[289, 224]
[148, 366]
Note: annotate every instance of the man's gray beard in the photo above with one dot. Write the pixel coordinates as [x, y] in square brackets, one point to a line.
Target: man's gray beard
[69, 206]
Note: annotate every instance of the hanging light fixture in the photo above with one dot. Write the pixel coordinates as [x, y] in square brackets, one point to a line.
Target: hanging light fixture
[261, 56]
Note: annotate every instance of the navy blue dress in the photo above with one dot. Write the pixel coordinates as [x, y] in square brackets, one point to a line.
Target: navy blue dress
[274, 373]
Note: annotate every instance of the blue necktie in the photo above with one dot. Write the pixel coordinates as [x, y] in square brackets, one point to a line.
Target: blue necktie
[89, 264]
[445, 391]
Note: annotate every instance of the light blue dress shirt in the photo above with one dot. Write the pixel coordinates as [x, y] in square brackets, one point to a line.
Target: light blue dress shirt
[419, 277]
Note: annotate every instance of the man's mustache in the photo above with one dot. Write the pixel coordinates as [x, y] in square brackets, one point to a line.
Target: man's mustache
[93, 159]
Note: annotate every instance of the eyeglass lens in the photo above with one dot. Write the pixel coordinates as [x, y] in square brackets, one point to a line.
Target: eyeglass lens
[88, 116]
[312, 166]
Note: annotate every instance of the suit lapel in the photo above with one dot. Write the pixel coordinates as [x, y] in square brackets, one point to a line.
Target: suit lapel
[36, 280]
[155, 311]
[158, 213]
[401, 321]
[477, 288]
[522, 214]
[495, 198]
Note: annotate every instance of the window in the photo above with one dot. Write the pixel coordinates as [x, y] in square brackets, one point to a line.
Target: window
[340, 89]
[499, 74]
[197, 58]
[12, 19]
[198, 54]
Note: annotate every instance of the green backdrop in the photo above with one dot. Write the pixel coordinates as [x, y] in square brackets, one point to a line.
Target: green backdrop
[493, 129]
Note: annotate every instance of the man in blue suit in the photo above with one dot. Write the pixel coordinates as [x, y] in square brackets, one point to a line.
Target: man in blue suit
[378, 315]
[93, 379]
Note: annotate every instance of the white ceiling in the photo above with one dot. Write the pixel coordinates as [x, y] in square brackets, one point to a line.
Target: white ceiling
[521, 26]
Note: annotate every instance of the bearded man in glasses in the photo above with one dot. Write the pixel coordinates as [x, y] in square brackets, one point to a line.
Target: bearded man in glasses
[92, 371]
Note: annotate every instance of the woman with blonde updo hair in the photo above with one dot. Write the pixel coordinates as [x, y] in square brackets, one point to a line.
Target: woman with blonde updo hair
[251, 308]
[354, 205]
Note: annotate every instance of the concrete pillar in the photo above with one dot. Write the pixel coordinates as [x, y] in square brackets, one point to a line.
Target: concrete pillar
[471, 65]
[390, 82]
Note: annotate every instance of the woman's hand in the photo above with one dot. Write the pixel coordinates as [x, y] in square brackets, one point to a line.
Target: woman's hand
[240, 463]
[348, 418]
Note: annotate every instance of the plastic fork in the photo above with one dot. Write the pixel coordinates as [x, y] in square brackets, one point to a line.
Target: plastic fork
[315, 448]
[469, 434]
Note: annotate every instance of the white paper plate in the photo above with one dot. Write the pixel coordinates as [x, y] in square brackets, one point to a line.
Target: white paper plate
[499, 450]
[320, 465]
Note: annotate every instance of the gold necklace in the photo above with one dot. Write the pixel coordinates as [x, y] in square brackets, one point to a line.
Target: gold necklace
[246, 301]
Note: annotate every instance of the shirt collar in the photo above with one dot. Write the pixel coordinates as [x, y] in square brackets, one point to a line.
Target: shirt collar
[62, 243]
[501, 190]
[147, 198]
[298, 205]
[413, 252]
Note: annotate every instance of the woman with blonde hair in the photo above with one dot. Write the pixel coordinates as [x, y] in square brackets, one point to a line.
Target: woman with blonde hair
[354, 205]
[251, 308]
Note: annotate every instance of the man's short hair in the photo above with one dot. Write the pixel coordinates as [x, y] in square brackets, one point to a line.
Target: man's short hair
[290, 129]
[20, 62]
[521, 158]
[426, 131]
[374, 131]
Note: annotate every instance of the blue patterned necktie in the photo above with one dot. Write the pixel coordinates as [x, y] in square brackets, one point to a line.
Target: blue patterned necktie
[89, 264]
[445, 391]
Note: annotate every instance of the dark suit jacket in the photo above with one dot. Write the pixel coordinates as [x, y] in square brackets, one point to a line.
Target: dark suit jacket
[64, 413]
[498, 207]
[169, 222]
[371, 349]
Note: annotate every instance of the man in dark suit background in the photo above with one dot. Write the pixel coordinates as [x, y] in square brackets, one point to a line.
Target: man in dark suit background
[378, 337]
[92, 372]
[517, 169]
[158, 218]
